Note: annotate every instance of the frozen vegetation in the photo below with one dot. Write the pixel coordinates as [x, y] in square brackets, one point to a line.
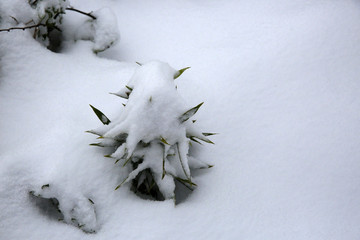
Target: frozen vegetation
[153, 132]
[280, 84]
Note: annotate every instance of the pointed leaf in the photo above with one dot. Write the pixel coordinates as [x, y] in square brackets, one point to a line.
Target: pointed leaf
[120, 95]
[118, 186]
[178, 73]
[181, 162]
[127, 160]
[188, 114]
[203, 139]
[100, 115]
[194, 139]
[164, 141]
[209, 134]
[138, 63]
[93, 132]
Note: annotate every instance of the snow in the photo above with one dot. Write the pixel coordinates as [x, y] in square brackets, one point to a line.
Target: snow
[153, 129]
[106, 30]
[279, 82]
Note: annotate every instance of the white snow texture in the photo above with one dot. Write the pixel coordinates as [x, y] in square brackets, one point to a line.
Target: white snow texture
[280, 84]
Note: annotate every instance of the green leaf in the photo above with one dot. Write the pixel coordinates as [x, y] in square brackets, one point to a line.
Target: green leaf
[122, 96]
[118, 186]
[188, 181]
[96, 144]
[202, 139]
[181, 162]
[100, 115]
[178, 73]
[138, 63]
[193, 139]
[209, 134]
[127, 160]
[93, 132]
[164, 141]
[45, 186]
[188, 114]
[184, 183]
[92, 202]
[128, 87]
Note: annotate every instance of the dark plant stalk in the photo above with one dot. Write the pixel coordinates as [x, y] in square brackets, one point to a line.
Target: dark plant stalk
[22, 28]
[42, 24]
[79, 11]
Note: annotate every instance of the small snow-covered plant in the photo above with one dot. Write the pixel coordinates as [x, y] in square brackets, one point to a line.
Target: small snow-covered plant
[153, 132]
[74, 209]
[103, 30]
[45, 19]
[49, 16]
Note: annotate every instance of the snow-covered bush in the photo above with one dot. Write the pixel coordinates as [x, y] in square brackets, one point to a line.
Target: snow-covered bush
[45, 19]
[49, 16]
[74, 209]
[103, 30]
[153, 132]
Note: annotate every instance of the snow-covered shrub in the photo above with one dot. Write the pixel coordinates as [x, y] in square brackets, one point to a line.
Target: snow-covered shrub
[45, 19]
[153, 132]
[71, 208]
[103, 30]
[49, 16]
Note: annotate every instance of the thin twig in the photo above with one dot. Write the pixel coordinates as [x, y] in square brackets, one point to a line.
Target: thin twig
[79, 11]
[17, 22]
[22, 28]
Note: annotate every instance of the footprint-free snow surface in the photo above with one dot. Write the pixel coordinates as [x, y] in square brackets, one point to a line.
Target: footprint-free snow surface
[280, 82]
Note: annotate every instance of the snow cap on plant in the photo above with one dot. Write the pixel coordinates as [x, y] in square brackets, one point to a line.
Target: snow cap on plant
[50, 13]
[103, 30]
[152, 133]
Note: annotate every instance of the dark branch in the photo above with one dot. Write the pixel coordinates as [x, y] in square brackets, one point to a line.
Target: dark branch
[22, 28]
[76, 10]
[17, 22]
[42, 24]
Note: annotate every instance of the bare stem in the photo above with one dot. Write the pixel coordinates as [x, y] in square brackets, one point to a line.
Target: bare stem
[79, 11]
[22, 28]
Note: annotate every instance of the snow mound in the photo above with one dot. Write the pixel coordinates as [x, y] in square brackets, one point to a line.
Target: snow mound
[153, 132]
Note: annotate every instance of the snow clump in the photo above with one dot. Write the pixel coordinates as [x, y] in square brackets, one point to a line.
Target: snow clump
[68, 206]
[153, 132]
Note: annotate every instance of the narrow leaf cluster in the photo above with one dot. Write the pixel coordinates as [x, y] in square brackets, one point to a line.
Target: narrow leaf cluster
[153, 134]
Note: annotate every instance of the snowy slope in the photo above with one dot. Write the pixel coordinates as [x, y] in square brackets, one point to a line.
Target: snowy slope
[279, 81]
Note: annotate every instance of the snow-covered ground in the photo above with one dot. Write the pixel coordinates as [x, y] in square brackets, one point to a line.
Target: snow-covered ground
[280, 82]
